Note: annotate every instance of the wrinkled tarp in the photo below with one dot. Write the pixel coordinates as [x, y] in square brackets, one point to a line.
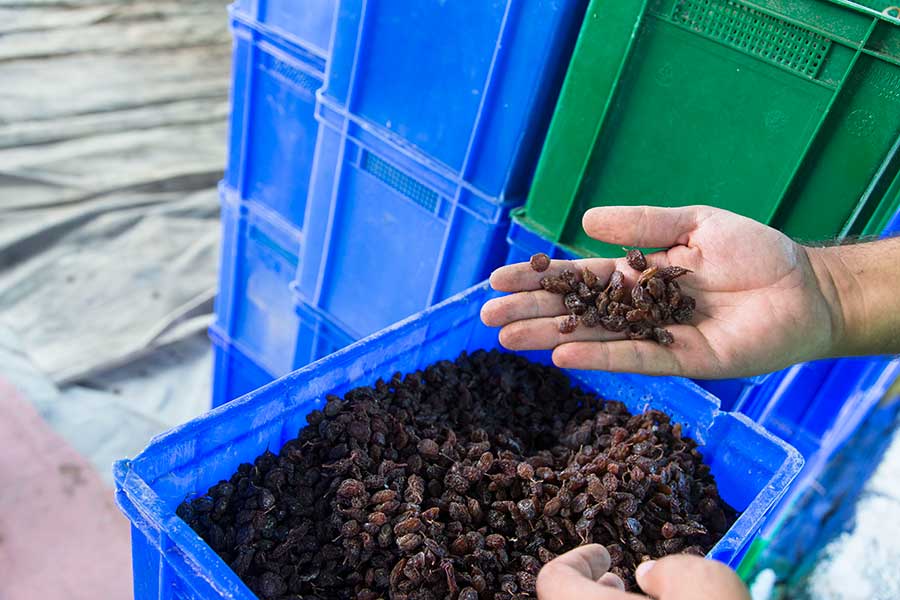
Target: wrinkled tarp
[112, 138]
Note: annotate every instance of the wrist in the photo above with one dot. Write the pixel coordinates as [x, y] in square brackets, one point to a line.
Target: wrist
[842, 295]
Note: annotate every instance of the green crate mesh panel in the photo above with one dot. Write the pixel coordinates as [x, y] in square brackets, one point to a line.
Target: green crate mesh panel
[756, 33]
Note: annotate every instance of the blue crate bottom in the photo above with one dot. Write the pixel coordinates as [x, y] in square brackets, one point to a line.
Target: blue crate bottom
[236, 373]
[233, 373]
[752, 467]
[258, 261]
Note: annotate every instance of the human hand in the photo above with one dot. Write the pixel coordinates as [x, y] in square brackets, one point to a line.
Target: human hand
[763, 301]
[582, 574]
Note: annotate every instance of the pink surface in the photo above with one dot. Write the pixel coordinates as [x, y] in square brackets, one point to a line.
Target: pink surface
[61, 535]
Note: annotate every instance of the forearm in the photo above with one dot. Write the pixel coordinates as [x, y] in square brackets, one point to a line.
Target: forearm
[861, 282]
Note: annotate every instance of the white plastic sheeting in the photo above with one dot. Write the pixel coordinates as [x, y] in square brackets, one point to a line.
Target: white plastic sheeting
[113, 124]
[112, 138]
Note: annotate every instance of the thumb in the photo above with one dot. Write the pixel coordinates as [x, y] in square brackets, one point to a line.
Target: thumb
[644, 226]
[685, 577]
[581, 574]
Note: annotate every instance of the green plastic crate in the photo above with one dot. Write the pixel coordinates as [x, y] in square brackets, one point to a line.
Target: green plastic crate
[783, 111]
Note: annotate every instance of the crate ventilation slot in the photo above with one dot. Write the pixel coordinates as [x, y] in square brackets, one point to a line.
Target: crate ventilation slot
[400, 181]
[756, 33]
[293, 75]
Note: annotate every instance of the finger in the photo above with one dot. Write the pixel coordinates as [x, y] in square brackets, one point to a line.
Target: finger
[543, 334]
[643, 226]
[574, 575]
[591, 561]
[521, 277]
[498, 312]
[612, 580]
[625, 356]
[683, 577]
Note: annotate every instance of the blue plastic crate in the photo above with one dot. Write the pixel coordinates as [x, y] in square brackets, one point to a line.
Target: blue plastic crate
[816, 403]
[752, 467]
[273, 128]
[258, 318]
[822, 507]
[390, 226]
[470, 84]
[851, 393]
[306, 23]
[734, 394]
[255, 308]
[233, 373]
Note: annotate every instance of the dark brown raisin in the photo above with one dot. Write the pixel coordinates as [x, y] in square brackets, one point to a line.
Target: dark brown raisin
[672, 273]
[574, 304]
[590, 317]
[568, 324]
[614, 323]
[636, 259]
[556, 285]
[540, 262]
[663, 336]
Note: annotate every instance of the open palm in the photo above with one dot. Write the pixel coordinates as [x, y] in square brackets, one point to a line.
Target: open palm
[759, 303]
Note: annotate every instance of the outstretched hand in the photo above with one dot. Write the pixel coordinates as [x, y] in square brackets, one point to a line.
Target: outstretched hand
[761, 302]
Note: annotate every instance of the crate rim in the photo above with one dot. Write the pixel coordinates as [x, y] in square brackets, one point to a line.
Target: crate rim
[400, 144]
[872, 12]
[249, 209]
[308, 52]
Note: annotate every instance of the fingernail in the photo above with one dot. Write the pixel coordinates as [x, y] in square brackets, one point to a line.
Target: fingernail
[644, 568]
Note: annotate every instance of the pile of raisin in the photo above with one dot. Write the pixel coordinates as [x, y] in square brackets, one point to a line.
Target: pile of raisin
[459, 481]
[641, 312]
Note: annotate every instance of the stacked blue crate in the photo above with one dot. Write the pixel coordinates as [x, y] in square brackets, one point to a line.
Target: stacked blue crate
[394, 183]
[260, 332]
[431, 120]
[273, 128]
